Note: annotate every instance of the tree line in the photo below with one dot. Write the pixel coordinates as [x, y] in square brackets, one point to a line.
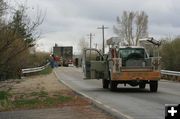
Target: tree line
[170, 53]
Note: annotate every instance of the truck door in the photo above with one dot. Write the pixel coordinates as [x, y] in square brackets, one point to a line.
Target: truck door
[94, 66]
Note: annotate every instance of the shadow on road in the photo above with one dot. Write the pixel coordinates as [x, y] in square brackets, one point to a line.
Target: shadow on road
[120, 90]
[131, 90]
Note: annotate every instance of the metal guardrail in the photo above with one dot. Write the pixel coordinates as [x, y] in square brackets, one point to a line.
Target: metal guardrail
[37, 69]
[32, 70]
[171, 73]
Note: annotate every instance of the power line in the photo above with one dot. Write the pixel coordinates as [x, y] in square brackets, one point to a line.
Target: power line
[102, 27]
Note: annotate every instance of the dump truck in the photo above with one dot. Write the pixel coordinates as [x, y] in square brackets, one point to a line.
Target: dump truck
[124, 65]
[65, 54]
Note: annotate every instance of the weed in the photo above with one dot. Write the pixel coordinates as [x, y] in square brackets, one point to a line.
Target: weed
[43, 94]
[3, 95]
[46, 71]
[64, 98]
[29, 103]
[39, 94]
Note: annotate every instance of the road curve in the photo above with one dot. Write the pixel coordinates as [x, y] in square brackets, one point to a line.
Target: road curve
[128, 102]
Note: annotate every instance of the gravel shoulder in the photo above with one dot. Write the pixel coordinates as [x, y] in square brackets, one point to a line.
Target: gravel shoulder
[76, 107]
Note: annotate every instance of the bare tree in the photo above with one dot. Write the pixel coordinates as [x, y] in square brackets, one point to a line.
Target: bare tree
[3, 7]
[83, 44]
[131, 27]
[141, 22]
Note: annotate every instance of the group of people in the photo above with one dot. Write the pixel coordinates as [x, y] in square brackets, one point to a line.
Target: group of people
[54, 61]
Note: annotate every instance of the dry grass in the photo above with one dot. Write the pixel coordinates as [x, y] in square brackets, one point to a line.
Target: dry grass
[42, 91]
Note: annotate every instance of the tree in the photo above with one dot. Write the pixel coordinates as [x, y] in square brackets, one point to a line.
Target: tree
[82, 44]
[25, 27]
[170, 53]
[16, 37]
[3, 7]
[131, 27]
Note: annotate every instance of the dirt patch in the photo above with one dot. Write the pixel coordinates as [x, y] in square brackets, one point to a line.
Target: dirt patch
[45, 91]
[47, 83]
[47, 88]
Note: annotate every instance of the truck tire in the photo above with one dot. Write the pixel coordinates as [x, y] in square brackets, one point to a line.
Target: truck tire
[142, 85]
[113, 86]
[105, 83]
[153, 86]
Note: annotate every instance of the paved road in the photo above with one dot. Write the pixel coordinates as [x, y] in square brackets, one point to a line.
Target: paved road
[67, 112]
[129, 102]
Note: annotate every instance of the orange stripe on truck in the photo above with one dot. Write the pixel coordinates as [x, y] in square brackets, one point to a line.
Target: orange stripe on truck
[153, 75]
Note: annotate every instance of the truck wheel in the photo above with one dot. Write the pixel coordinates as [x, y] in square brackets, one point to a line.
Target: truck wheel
[153, 86]
[105, 83]
[142, 85]
[113, 86]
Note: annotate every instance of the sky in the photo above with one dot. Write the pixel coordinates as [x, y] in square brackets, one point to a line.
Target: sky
[68, 21]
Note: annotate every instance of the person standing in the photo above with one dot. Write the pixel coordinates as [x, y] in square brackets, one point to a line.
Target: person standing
[52, 61]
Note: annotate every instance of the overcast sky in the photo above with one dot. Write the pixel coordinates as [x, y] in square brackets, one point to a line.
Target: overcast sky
[67, 21]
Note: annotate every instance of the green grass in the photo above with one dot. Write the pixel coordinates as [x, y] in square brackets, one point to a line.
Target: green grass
[38, 102]
[3, 95]
[39, 94]
[26, 103]
[31, 101]
[43, 94]
[4, 102]
[46, 71]
[64, 98]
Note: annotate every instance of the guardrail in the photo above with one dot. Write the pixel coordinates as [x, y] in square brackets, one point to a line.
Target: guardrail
[32, 70]
[171, 73]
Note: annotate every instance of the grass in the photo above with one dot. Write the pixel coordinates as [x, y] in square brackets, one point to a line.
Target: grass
[3, 95]
[46, 71]
[26, 103]
[39, 94]
[4, 101]
[32, 100]
[40, 102]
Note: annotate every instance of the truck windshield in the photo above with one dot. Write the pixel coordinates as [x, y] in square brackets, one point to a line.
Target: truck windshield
[126, 52]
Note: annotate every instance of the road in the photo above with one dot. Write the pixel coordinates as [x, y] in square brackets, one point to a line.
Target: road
[126, 102]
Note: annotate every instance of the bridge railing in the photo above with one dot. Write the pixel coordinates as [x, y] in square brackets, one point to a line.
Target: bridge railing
[33, 70]
[171, 73]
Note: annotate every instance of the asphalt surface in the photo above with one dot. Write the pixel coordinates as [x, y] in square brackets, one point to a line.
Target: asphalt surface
[67, 112]
[126, 102]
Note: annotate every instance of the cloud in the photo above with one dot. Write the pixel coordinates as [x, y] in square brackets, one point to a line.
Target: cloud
[69, 20]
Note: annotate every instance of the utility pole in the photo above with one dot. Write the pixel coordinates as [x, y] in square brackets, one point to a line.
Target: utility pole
[103, 27]
[90, 38]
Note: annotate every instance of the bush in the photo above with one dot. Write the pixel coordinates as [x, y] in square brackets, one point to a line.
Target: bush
[170, 53]
[37, 59]
[18, 33]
